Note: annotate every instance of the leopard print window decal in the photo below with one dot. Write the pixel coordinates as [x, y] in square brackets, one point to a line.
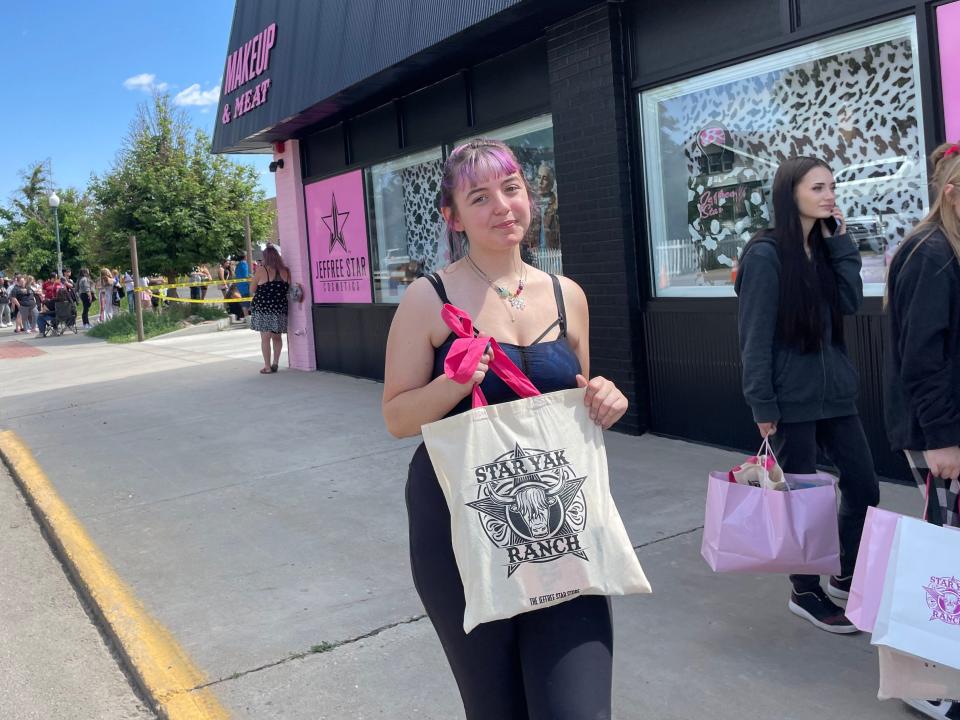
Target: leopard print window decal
[712, 145]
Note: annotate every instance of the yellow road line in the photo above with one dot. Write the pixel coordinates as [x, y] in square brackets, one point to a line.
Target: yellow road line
[160, 664]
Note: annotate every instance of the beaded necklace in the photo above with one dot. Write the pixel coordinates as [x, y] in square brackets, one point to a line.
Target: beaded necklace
[513, 298]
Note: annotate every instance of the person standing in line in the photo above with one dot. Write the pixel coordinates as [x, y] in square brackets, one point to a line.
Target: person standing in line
[50, 286]
[555, 662]
[796, 282]
[26, 302]
[85, 288]
[922, 368]
[269, 317]
[37, 289]
[5, 304]
[105, 290]
[195, 277]
[128, 286]
[242, 270]
[205, 276]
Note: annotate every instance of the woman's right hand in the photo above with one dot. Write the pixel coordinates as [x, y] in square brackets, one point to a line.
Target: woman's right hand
[767, 428]
[944, 463]
[479, 374]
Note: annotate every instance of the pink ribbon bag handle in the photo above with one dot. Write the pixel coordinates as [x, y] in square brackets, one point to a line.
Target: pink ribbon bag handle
[466, 351]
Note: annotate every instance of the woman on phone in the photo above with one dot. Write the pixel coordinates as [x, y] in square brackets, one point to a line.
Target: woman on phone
[555, 662]
[796, 282]
[923, 357]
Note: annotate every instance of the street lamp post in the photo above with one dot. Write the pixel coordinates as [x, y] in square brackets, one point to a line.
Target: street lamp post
[55, 203]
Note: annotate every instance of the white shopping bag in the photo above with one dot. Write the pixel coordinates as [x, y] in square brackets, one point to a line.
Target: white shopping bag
[532, 518]
[906, 676]
[920, 609]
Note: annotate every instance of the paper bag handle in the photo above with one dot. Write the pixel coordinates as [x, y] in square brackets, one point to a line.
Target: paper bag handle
[466, 351]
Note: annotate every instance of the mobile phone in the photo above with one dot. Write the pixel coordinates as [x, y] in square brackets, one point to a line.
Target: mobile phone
[831, 224]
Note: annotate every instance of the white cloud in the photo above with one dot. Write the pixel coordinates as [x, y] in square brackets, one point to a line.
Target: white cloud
[145, 82]
[193, 95]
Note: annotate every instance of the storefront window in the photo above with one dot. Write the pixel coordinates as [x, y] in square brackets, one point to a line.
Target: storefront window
[532, 143]
[713, 143]
[405, 223]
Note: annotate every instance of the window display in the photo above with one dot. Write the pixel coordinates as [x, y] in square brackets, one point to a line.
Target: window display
[713, 143]
[405, 222]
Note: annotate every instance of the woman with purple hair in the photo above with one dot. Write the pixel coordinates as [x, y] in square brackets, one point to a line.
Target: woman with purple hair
[555, 662]
[269, 316]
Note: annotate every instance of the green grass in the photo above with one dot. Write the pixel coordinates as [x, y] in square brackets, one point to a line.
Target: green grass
[122, 328]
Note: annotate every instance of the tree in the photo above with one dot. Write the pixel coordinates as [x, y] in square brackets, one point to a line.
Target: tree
[27, 226]
[185, 205]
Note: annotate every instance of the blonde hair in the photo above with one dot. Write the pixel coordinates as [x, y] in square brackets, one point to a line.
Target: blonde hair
[946, 172]
[106, 274]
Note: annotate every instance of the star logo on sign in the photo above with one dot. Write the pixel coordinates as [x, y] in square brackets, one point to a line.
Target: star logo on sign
[335, 225]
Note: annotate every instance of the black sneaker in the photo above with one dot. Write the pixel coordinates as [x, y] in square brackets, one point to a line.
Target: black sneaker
[816, 607]
[940, 709]
[839, 587]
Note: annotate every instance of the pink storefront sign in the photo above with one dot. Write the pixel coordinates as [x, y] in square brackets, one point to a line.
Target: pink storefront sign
[337, 228]
[948, 29]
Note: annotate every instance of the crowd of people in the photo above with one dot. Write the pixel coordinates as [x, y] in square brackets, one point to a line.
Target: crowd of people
[109, 291]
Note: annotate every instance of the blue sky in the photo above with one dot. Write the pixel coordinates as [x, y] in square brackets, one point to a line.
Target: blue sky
[76, 72]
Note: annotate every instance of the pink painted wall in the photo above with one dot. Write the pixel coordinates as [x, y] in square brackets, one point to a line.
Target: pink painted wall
[292, 224]
[948, 28]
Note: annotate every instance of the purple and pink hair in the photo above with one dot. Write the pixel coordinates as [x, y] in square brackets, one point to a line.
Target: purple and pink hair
[474, 162]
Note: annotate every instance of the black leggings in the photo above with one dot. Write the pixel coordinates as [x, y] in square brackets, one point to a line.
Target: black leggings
[87, 300]
[844, 442]
[555, 663]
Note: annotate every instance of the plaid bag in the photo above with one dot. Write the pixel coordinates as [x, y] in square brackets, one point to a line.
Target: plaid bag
[942, 507]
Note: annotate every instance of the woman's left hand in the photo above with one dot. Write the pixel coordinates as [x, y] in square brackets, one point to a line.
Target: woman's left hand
[604, 400]
[841, 223]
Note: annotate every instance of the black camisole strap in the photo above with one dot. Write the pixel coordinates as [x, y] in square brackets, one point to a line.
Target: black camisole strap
[561, 308]
[437, 283]
[561, 313]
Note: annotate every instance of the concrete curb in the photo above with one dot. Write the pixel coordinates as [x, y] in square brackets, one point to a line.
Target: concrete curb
[209, 326]
[164, 673]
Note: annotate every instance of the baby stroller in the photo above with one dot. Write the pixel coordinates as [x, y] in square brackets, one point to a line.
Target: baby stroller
[65, 319]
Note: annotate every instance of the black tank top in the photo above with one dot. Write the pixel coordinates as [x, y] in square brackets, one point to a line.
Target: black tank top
[551, 365]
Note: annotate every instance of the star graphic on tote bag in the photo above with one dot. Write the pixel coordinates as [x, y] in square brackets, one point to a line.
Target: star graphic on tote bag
[335, 226]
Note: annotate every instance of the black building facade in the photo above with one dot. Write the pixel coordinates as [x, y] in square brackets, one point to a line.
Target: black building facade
[652, 131]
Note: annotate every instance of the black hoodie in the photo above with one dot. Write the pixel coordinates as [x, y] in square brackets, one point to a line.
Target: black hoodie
[922, 373]
[779, 382]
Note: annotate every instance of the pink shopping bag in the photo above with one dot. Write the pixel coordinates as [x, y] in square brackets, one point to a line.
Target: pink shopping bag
[755, 530]
[866, 589]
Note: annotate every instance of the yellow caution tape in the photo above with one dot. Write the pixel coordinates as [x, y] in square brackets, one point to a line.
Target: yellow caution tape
[151, 290]
[214, 301]
[199, 283]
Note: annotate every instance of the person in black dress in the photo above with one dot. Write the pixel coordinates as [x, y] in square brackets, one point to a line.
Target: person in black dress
[269, 287]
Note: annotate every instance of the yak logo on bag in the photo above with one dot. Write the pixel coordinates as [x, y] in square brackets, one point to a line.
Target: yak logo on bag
[530, 504]
[943, 598]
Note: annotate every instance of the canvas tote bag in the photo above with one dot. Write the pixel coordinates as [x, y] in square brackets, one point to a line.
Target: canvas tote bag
[532, 519]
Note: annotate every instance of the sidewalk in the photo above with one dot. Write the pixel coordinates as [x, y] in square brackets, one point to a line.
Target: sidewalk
[261, 519]
[53, 661]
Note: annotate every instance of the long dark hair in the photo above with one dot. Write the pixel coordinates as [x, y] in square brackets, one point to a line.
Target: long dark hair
[804, 285]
